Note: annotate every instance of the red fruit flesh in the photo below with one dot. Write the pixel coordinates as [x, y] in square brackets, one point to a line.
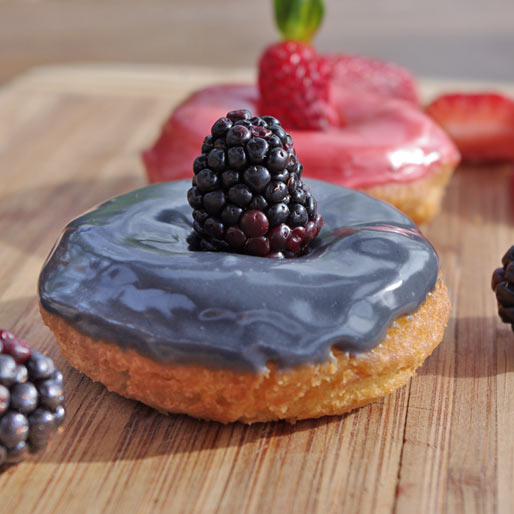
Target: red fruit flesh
[481, 124]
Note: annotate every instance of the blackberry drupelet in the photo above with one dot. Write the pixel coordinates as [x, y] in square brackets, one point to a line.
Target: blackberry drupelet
[31, 399]
[247, 193]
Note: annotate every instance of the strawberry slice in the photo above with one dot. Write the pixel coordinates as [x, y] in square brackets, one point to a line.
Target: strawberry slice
[481, 124]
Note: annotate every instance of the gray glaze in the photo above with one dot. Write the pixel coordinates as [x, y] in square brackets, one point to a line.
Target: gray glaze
[123, 273]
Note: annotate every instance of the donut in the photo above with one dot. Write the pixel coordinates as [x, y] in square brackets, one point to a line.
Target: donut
[232, 337]
[387, 148]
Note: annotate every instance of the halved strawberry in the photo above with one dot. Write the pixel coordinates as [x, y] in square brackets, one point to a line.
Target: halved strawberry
[480, 124]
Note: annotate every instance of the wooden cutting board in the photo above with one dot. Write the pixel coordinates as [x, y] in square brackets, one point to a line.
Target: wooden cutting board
[70, 137]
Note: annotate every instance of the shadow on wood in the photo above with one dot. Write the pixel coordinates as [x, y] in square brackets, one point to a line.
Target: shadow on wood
[484, 348]
[105, 427]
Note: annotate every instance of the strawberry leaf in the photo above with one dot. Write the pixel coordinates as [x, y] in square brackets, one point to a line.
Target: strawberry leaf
[298, 20]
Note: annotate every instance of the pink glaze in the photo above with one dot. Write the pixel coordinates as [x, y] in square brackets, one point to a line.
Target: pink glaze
[384, 140]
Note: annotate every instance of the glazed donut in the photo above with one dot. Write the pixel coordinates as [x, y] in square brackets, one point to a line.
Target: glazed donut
[232, 337]
[388, 147]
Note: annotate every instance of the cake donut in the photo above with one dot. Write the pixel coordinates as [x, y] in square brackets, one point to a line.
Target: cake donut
[233, 337]
[387, 147]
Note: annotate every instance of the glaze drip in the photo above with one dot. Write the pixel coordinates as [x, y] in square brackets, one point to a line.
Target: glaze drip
[124, 273]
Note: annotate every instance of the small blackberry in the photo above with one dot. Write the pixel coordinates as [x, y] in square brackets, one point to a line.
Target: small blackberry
[247, 192]
[31, 399]
[502, 284]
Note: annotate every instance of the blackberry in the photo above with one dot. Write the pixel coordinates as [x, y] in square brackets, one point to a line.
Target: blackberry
[247, 193]
[31, 399]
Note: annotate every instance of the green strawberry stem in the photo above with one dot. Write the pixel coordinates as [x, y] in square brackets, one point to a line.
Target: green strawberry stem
[298, 20]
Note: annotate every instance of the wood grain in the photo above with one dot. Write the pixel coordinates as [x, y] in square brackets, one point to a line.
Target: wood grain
[71, 137]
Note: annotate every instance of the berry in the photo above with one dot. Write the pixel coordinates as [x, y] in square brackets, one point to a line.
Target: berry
[214, 228]
[16, 348]
[279, 236]
[214, 201]
[231, 214]
[298, 216]
[18, 453]
[238, 135]
[59, 415]
[258, 203]
[51, 394]
[257, 246]
[261, 208]
[31, 399]
[278, 214]
[502, 284]
[240, 115]
[257, 178]
[40, 366]
[254, 223]
[42, 427]
[240, 195]
[277, 158]
[296, 239]
[480, 124]
[294, 85]
[257, 148]
[207, 180]
[194, 197]
[276, 191]
[22, 375]
[221, 126]
[235, 237]
[24, 397]
[201, 162]
[236, 156]
[14, 429]
[7, 370]
[216, 159]
[5, 398]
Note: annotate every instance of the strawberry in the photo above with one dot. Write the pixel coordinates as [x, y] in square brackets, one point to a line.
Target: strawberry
[294, 85]
[481, 124]
[294, 80]
[374, 76]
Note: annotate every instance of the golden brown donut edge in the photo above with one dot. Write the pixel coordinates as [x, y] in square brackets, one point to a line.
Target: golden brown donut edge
[308, 391]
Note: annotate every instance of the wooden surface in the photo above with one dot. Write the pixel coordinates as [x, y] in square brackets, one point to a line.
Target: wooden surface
[463, 38]
[71, 137]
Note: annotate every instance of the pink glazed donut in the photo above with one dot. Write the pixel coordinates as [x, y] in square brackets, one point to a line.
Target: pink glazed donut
[387, 146]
